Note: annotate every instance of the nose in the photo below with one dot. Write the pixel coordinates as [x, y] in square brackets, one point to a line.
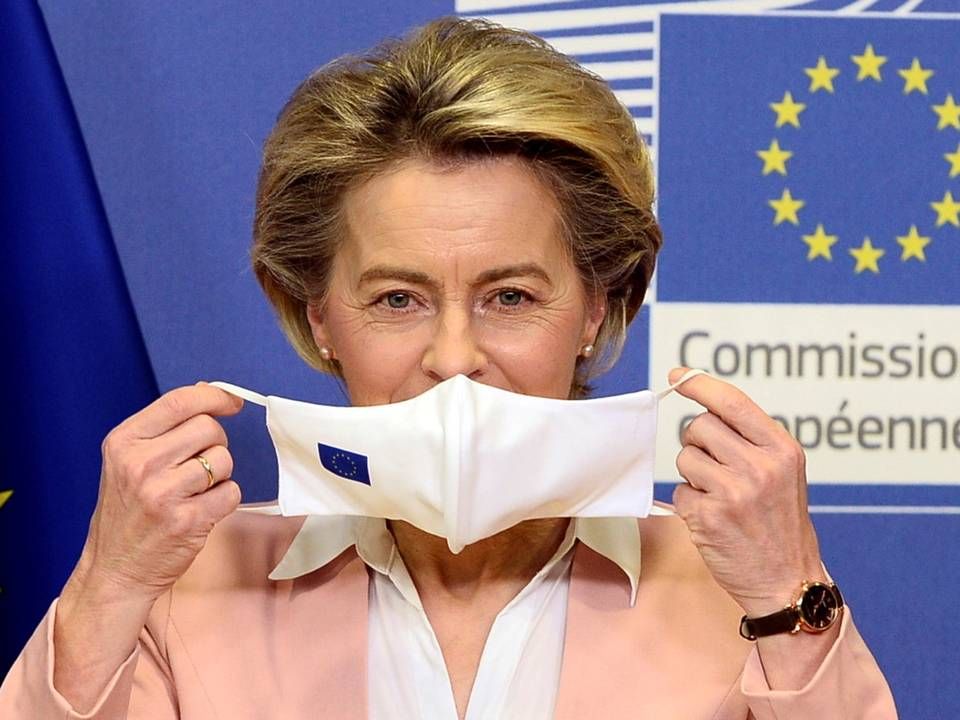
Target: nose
[453, 349]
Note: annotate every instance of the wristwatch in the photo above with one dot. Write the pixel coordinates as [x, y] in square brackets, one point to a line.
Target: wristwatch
[817, 607]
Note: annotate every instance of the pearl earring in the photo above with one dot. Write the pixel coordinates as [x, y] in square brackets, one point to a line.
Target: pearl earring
[326, 353]
[587, 350]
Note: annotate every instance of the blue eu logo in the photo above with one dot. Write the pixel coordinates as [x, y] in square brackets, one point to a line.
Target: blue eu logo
[344, 463]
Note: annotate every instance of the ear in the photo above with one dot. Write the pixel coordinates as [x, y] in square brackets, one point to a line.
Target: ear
[315, 316]
[596, 312]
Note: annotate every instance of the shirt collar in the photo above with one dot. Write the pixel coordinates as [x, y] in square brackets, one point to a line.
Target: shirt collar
[322, 538]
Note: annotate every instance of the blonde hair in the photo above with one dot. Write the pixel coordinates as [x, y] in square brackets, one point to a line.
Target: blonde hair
[457, 90]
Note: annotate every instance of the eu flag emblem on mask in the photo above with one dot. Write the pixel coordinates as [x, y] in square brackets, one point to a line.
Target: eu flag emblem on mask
[345, 464]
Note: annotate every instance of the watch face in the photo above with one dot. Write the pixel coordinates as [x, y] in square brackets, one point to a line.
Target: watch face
[819, 606]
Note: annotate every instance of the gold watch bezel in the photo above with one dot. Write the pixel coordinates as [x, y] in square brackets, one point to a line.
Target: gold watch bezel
[802, 623]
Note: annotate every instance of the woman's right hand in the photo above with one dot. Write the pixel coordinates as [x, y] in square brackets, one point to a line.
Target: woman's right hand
[153, 515]
[154, 510]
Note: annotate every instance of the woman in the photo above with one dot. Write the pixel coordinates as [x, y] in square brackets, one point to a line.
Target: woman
[465, 201]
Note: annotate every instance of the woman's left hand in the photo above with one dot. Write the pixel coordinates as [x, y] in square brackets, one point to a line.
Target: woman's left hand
[746, 501]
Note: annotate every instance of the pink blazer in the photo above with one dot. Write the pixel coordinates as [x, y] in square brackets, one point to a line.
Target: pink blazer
[228, 643]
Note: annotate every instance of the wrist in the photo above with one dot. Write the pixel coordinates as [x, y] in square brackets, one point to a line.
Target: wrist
[785, 594]
[817, 607]
[95, 629]
[91, 584]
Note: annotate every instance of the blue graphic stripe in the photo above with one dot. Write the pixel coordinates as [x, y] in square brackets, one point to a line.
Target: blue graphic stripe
[865, 495]
[643, 83]
[825, 5]
[939, 6]
[640, 27]
[617, 56]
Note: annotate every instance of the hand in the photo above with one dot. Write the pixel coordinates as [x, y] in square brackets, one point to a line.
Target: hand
[153, 515]
[745, 503]
[154, 510]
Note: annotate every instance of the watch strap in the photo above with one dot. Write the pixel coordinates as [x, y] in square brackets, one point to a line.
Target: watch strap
[782, 621]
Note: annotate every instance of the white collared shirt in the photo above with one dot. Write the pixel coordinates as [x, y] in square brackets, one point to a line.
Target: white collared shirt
[519, 671]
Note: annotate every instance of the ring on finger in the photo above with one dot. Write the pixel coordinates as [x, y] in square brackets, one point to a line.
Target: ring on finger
[208, 468]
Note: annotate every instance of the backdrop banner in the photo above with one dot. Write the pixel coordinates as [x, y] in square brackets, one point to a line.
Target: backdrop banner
[808, 162]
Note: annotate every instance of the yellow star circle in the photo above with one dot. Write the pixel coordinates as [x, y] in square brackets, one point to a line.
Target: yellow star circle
[788, 111]
[774, 158]
[913, 244]
[948, 210]
[915, 77]
[949, 114]
[954, 160]
[820, 243]
[868, 64]
[786, 208]
[866, 256]
[821, 76]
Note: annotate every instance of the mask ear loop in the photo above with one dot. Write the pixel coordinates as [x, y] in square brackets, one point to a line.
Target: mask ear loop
[264, 508]
[692, 373]
[656, 509]
[242, 393]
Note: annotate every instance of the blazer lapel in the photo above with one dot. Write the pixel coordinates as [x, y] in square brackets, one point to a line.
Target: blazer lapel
[331, 605]
[675, 654]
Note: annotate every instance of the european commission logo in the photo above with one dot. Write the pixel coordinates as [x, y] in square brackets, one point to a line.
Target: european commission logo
[810, 159]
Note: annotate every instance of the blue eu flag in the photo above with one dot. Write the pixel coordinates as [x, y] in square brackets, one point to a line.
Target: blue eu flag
[74, 361]
[809, 160]
[345, 464]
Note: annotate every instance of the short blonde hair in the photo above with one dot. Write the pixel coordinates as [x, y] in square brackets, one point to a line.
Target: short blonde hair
[457, 90]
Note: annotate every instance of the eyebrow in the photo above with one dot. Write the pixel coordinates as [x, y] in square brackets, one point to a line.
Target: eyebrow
[417, 277]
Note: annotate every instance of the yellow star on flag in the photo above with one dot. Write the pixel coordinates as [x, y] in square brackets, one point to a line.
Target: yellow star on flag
[948, 210]
[915, 77]
[786, 208]
[954, 160]
[949, 113]
[4, 496]
[788, 111]
[869, 64]
[775, 158]
[867, 256]
[913, 244]
[820, 243]
[821, 76]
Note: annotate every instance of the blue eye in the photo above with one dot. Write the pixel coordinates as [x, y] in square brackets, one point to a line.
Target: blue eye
[398, 301]
[511, 297]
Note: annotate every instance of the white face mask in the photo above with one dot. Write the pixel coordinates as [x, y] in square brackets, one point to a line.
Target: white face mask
[464, 460]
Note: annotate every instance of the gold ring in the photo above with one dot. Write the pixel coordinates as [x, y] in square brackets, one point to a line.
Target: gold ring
[206, 466]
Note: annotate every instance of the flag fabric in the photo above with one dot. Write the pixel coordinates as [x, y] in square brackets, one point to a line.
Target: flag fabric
[811, 160]
[75, 362]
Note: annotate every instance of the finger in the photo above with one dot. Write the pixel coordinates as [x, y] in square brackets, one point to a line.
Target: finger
[191, 478]
[731, 405]
[700, 470]
[176, 406]
[712, 435]
[685, 499]
[187, 439]
[220, 500]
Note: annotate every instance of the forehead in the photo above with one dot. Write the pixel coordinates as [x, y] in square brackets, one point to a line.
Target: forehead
[496, 209]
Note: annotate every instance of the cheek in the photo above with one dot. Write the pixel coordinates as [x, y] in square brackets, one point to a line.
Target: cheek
[539, 356]
[375, 362]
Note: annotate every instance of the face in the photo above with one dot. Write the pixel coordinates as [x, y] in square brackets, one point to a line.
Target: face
[454, 271]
